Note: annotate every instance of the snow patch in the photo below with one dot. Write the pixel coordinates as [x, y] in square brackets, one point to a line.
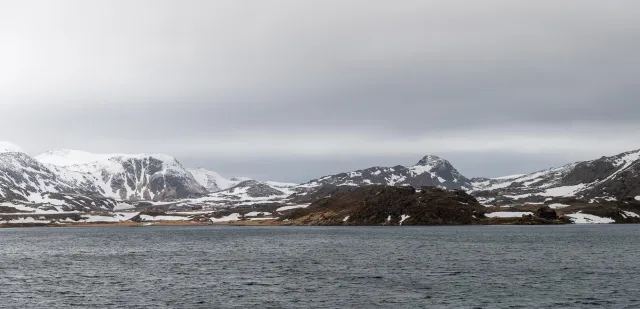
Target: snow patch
[285, 208]
[508, 214]
[123, 206]
[404, 218]
[229, 218]
[163, 218]
[94, 219]
[628, 214]
[582, 218]
[558, 205]
[421, 169]
[214, 181]
[68, 157]
[508, 177]
[257, 213]
[563, 191]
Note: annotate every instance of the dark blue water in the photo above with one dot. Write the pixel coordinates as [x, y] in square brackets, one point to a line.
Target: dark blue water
[297, 267]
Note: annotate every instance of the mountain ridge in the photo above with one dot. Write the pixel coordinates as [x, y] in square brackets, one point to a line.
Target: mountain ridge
[160, 177]
[429, 171]
[606, 178]
[124, 176]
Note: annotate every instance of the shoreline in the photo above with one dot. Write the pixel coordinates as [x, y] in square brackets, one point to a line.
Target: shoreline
[257, 223]
[141, 224]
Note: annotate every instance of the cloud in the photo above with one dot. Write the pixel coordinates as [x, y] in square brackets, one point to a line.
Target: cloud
[268, 81]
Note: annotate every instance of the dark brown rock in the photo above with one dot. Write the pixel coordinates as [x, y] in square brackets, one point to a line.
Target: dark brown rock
[547, 213]
[387, 205]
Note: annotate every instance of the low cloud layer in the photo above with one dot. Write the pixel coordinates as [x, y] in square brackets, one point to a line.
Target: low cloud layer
[291, 90]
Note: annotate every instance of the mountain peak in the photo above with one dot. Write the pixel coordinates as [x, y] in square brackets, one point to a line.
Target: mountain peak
[431, 160]
[9, 147]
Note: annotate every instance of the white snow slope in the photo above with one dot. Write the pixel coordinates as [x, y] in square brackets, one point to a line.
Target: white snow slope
[123, 176]
[213, 181]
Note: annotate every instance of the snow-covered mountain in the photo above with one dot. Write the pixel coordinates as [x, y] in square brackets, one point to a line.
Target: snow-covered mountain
[246, 193]
[242, 188]
[29, 184]
[88, 181]
[607, 178]
[22, 178]
[214, 182]
[430, 171]
[77, 180]
[123, 176]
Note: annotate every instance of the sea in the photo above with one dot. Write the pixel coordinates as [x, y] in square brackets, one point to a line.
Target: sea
[569, 266]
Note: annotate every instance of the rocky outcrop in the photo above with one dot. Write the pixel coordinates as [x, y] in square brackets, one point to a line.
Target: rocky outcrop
[310, 195]
[24, 179]
[547, 213]
[391, 205]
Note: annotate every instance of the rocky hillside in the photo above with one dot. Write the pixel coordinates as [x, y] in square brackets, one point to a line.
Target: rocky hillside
[125, 177]
[30, 185]
[385, 205]
[604, 179]
[429, 171]
[24, 179]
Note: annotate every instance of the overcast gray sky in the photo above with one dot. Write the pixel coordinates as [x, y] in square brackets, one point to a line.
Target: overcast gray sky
[295, 89]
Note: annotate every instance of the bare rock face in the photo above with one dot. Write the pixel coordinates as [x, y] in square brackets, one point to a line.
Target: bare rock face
[386, 205]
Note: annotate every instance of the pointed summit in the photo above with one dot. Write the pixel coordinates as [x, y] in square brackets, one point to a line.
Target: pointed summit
[431, 160]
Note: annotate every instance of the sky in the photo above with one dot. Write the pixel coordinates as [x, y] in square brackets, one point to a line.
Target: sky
[291, 90]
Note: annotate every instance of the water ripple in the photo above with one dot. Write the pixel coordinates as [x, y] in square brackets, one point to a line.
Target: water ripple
[313, 267]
